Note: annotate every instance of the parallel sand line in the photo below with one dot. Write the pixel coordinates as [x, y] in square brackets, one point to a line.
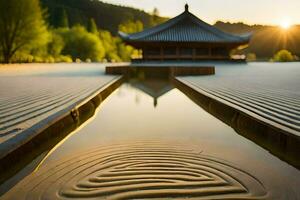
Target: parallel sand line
[278, 136]
[241, 101]
[25, 110]
[56, 119]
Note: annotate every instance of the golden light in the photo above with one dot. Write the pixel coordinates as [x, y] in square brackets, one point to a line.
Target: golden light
[285, 24]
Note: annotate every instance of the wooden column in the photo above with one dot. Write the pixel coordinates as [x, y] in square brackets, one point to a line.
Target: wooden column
[194, 54]
[144, 53]
[228, 52]
[210, 51]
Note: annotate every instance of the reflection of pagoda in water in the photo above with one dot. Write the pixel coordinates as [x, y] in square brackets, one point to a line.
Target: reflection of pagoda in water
[185, 37]
[154, 88]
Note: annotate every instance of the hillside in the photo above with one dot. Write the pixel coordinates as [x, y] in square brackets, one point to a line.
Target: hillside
[107, 16]
[266, 40]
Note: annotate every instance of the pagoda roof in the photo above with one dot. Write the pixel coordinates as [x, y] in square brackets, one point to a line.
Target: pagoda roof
[186, 27]
[154, 88]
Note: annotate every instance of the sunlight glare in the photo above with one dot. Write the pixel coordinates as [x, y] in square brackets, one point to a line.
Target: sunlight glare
[285, 24]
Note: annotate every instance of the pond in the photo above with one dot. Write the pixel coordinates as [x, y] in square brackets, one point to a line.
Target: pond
[149, 140]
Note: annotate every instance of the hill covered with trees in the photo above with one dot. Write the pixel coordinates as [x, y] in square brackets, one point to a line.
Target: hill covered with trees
[106, 16]
[266, 40]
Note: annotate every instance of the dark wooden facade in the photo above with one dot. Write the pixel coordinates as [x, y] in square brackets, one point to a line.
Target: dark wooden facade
[185, 52]
[185, 37]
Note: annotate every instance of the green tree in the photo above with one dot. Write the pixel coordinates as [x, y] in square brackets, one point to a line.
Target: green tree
[21, 26]
[64, 20]
[106, 15]
[251, 57]
[131, 26]
[92, 27]
[81, 44]
[110, 45]
[56, 44]
[155, 19]
[125, 52]
[283, 56]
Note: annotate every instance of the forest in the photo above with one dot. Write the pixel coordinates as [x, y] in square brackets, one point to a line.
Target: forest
[86, 30]
[266, 40]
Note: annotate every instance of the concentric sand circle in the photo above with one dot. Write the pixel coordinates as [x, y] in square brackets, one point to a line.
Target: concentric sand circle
[140, 171]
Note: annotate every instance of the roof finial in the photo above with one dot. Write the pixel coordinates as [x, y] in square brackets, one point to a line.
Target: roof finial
[186, 7]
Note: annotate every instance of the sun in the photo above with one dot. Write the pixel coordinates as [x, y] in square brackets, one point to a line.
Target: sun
[285, 24]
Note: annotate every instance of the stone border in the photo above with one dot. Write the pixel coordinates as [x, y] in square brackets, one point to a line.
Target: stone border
[18, 152]
[170, 71]
[277, 140]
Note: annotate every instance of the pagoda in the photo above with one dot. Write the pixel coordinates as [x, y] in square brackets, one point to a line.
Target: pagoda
[185, 37]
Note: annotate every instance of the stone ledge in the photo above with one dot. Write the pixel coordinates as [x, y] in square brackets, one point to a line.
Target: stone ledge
[170, 71]
[280, 141]
[16, 153]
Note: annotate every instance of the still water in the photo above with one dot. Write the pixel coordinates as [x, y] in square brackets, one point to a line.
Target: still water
[149, 140]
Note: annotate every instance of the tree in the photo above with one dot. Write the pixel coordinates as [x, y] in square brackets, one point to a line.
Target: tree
[125, 51]
[155, 12]
[110, 45]
[63, 21]
[106, 15]
[92, 27]
[81, 44]
[155, 19]
[283, 56]
[56, 44]
[21, 26]
[131, 26]
[251, 57]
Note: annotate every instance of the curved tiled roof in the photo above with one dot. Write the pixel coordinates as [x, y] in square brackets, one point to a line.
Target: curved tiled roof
[186, 27]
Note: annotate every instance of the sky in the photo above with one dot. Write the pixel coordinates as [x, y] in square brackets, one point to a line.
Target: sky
[268, 12]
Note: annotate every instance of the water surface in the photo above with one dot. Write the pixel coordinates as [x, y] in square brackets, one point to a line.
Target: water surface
[148, 140]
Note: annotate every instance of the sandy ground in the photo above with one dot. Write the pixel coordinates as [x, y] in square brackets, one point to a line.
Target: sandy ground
[31, 93]
[268, 90]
